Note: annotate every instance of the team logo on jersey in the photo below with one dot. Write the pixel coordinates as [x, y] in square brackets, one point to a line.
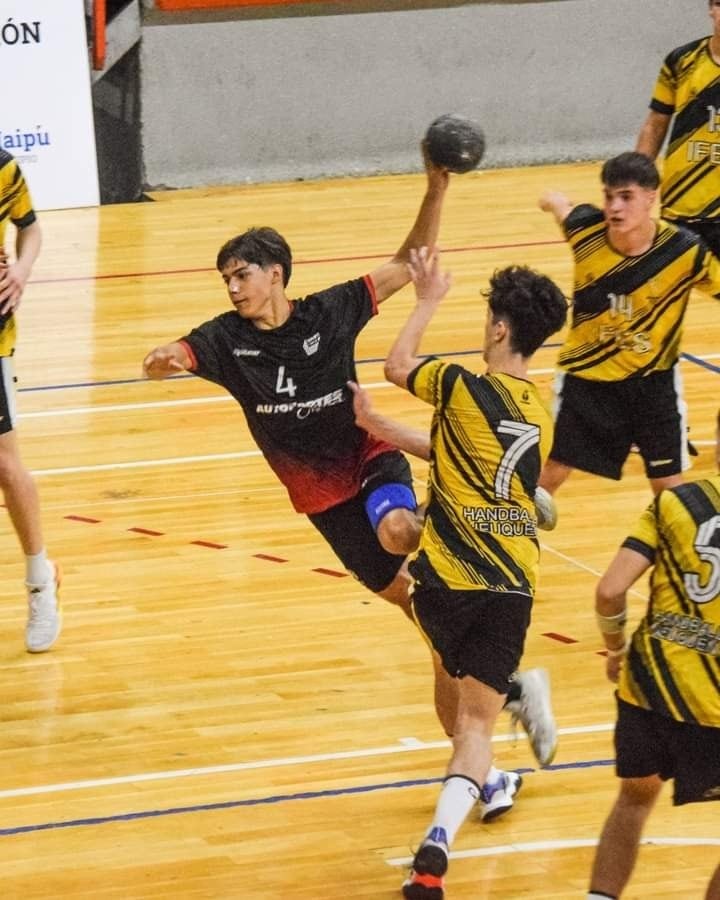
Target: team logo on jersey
[311, 344]
[244, 352]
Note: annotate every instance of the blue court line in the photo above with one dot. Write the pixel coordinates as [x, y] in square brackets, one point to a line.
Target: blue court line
[260, 801]
[93, 384]
[360, 362]
[699, 361]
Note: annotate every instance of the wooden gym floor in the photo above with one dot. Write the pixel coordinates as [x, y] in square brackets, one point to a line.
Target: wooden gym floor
[227, 714]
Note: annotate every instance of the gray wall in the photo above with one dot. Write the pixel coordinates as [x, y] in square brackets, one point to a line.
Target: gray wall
[300, 96]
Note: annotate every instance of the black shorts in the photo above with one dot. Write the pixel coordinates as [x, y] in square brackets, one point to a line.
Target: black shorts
[347, 529]
[7, 395]
[477, 633]
[707, 229]
[647, 743]
[597, 423]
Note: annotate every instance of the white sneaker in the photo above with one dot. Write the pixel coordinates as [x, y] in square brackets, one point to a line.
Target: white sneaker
[44, 616]
[545, 509]
[534, 712]
[496, 797]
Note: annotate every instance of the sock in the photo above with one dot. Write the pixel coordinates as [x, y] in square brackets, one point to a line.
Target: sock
[492, 776]
[458, 796]
[514, 691]
[38, 570]
[598, 895]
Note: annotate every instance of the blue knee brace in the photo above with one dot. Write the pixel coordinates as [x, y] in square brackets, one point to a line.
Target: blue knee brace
[386, 498]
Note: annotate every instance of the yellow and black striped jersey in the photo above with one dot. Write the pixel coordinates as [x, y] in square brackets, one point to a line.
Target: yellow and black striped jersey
[688, 88]
[16, 206]
[490, 435]
[673, 665]
[627, 311]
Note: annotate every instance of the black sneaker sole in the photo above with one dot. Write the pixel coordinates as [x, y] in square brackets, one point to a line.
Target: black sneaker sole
[429, 860]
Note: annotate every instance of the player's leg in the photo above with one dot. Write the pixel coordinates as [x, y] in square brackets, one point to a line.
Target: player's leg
[390, 503]
[643, 759]
[617, 849]
[481, 645]
[23, 506]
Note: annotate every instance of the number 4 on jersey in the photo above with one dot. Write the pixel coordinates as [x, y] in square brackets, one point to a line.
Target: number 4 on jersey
[284, 385]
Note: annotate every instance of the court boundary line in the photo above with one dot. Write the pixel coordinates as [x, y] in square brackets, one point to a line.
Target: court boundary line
[404, 745]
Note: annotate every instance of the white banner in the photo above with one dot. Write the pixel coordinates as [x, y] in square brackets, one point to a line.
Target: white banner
[46, 118]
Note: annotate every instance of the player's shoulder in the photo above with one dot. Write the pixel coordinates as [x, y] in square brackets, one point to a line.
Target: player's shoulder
[7, 160]
[676, 57]
[584, 215]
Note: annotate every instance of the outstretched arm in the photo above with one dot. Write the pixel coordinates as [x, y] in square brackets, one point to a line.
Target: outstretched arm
[652, 134]
[393, 275]
[431, 285]
[556, 203]
[166, 360]
[411, 440]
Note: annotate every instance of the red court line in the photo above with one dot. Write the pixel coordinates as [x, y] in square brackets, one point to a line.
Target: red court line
[211, 544]
[331, 572]
[564, 639]
[84, 519]
[268, 557]
[296, 262]
[147, 531]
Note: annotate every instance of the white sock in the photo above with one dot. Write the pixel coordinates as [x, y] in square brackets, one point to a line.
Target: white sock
[492, 776]
[596, 896]
[457, 797]
[38, 570]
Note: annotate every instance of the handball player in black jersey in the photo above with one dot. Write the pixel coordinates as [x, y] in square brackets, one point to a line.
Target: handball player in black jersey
[288, 363]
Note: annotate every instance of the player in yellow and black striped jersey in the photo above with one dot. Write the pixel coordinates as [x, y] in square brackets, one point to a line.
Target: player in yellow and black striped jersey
[686, 101]
[15, 207]
[16, 483]
[489, 438]
[476, 567]
[618, 380]
[668, 696]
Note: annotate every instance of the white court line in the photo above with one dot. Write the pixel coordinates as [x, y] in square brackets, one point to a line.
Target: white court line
[575, 562]
[141, 463]
[405, 745]
[541, 846]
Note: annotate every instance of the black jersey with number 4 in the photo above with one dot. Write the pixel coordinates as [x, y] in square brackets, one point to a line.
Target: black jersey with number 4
[291, 382]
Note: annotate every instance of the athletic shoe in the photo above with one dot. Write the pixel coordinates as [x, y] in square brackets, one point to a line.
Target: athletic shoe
[496, 797]
[545, 509]
[534, 712]
[44, 617]
[426, 881]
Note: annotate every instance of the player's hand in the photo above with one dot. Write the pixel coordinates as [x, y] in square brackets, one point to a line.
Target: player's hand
[160, 363]
[13, 279]
[434, 172]
[613, 666]
[431, 284]
[361, 405]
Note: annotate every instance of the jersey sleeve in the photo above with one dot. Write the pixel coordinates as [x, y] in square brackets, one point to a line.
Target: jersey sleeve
[202, 348]
[428, 379]
[643, 539]
[17, 203]
[708, 272]
[348, 306]
[580, 217]
[663, 98]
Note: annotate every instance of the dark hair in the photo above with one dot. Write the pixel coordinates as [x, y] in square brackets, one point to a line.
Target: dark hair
[630, 168]
[531, 304]
[262, 246]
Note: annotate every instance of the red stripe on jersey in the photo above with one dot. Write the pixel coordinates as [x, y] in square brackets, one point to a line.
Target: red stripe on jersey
[189, 351]
[371, 290]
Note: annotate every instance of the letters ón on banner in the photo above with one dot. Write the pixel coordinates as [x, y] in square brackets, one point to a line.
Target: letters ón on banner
[46, 117]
